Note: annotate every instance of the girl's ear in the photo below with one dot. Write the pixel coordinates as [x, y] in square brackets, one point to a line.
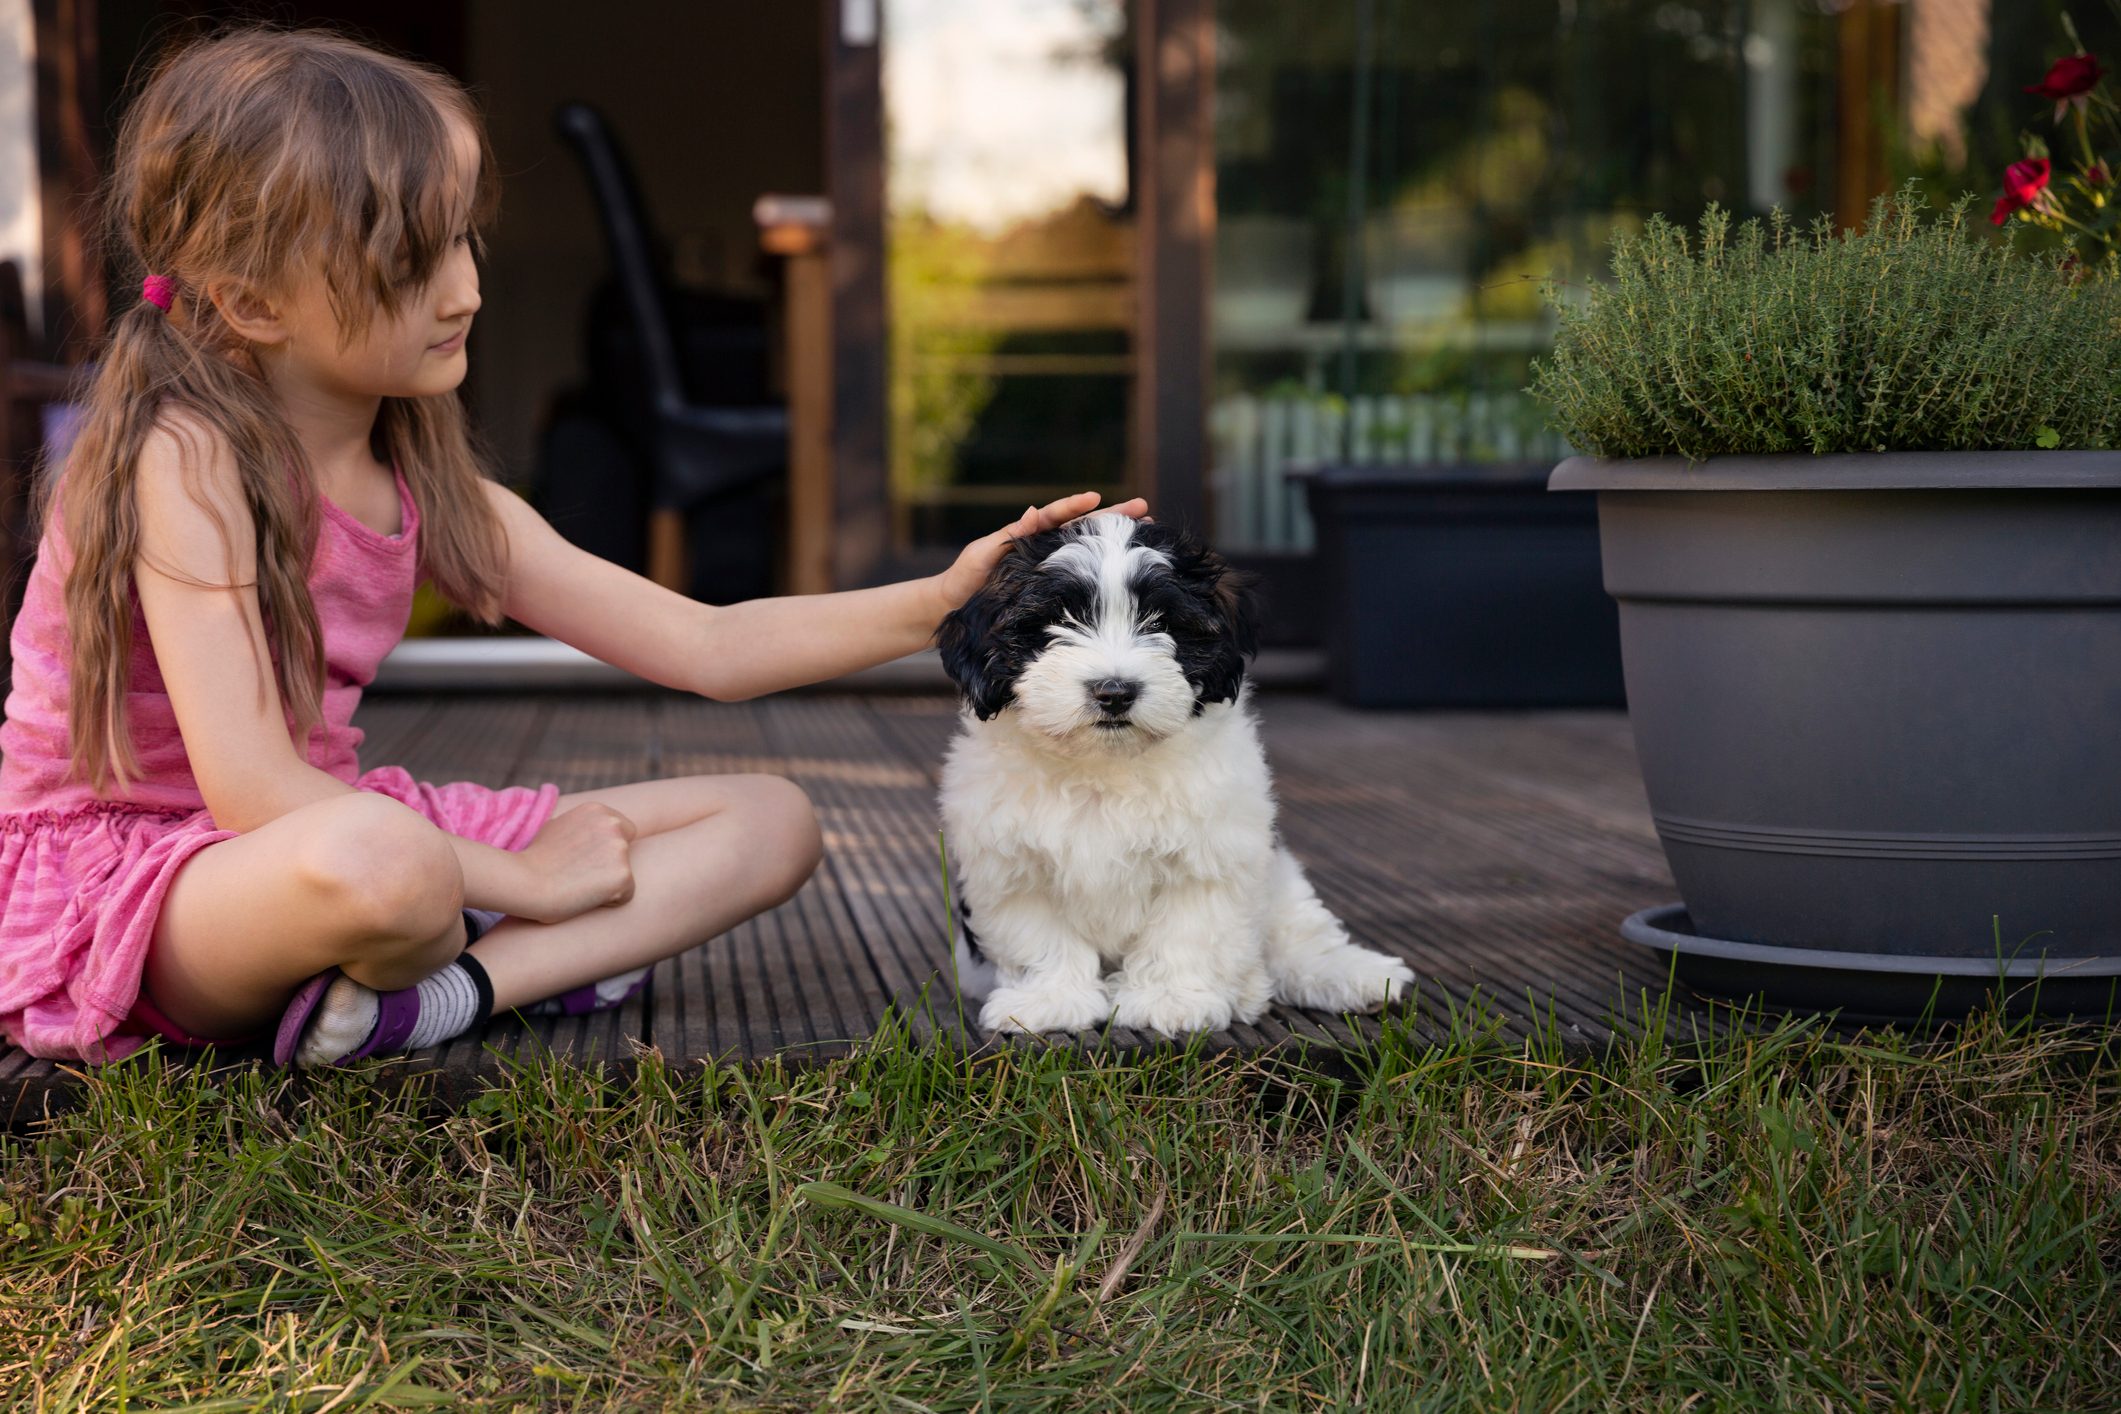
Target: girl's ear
[253, 318]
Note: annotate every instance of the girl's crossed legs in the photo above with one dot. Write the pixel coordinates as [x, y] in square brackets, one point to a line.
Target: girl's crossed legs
[366, 884]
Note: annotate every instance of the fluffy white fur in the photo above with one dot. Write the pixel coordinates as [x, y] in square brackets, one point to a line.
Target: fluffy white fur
[1132, 873]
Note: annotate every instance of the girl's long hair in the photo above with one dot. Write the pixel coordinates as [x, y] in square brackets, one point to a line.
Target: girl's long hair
[258, 156]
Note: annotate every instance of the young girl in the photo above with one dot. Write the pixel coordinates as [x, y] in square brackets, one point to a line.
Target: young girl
[272, 455]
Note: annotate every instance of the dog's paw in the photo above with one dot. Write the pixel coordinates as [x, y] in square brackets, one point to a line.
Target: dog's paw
[1045, 1009]
[1176, 1011]
[1346, 978]
[971, 971]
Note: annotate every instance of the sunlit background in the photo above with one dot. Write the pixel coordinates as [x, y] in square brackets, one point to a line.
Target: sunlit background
[1394, 179]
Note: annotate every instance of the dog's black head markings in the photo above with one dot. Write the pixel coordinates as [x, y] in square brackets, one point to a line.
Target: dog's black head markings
[1099, 620]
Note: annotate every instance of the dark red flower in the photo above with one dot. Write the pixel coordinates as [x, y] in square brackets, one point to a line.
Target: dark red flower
[2022, 184]
[2071, 76]
[2097, 174]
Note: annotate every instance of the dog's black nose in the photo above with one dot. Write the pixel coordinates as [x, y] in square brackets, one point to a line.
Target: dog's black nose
[1115, 695]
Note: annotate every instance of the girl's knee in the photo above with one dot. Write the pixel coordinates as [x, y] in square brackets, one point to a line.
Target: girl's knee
[793, 810]
[384, 869]
[786, 823]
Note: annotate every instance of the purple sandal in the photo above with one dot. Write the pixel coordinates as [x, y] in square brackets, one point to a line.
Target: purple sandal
[590, 997]
[396, 1014]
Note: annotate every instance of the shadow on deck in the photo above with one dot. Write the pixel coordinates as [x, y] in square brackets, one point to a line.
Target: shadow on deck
[1497, 854]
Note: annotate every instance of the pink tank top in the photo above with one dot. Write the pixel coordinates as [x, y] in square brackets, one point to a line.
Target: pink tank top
[362, 582]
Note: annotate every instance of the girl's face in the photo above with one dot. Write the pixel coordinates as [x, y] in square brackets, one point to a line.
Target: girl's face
[415, 352]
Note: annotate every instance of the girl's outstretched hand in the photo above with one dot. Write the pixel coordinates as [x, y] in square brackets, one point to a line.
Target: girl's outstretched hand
[579, 861]
[963, 579]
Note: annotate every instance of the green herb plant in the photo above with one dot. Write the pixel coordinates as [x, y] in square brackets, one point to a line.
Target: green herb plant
[1916, 333]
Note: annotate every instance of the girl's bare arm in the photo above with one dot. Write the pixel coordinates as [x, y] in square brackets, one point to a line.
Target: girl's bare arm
[737, 651]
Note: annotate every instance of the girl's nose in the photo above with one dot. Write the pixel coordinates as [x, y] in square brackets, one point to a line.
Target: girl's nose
[460, 287]
[461, 299]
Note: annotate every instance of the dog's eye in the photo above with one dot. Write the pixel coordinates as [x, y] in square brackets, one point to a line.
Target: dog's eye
[1181, 612]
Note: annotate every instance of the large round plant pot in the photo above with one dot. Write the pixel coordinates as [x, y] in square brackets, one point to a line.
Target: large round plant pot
[1877, 703]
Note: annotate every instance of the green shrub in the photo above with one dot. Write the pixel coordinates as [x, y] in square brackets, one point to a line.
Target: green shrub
[1918, 333]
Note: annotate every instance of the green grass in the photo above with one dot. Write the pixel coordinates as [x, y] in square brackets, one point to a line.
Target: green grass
[1791, 1220]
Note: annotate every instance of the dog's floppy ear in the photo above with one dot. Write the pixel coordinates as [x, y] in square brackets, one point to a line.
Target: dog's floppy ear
[967, 640]
[1223, 602]
[1235, 595]
[976, 640]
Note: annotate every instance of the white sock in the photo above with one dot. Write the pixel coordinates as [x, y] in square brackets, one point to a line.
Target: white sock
[341, 1022]
[612, 990]
[449, 1003]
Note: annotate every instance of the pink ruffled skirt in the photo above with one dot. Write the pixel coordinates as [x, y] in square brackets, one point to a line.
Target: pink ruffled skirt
[80, 890]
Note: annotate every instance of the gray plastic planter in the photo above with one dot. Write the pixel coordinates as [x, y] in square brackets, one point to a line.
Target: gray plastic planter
[1877, 702]
[1462, 586]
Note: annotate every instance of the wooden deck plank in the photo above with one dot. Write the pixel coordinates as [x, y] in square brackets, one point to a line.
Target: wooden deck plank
[824, 748]
[585, 745]
[845, 1009]
[390, 724]
[1439, 932]
[1515, 841]
[1495, 853]
[666, 1018]
[770, 1026]
[486, 739]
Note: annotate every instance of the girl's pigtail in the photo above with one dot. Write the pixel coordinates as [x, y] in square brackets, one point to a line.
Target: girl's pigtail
[154, 374]
[99, 523]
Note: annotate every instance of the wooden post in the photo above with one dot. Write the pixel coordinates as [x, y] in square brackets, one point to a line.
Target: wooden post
[795, 228]
[74, 300]
[1175, 93]
[668, 564]
[1867, 85]
[26, 385]
[854, 180]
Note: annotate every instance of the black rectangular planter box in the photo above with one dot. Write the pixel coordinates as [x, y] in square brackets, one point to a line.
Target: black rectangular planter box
[1463, 586]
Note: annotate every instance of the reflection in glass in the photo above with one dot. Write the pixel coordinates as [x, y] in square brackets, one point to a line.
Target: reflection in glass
[1395, 178]
[1010, 250]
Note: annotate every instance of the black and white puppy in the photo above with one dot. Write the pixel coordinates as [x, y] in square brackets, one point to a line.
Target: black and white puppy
[1107, 805]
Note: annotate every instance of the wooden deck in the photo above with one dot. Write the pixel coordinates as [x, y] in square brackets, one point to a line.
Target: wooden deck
[1496, 853]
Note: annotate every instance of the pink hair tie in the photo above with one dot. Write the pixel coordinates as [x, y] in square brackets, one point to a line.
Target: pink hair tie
[159, 291]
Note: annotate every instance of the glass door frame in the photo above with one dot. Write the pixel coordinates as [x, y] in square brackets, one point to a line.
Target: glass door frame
[1175, 172]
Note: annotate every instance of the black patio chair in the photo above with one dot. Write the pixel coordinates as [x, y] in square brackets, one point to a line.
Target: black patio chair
[718, 465]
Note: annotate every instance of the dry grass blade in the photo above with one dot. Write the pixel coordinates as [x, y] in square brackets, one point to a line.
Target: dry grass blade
[1117, 1273]
[1511, 1250]
[833, 1195]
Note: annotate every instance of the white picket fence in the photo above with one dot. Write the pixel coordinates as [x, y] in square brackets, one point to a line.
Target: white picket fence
[1258, 440]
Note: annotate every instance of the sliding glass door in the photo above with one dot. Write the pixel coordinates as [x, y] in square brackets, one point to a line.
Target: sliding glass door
[1010, 257]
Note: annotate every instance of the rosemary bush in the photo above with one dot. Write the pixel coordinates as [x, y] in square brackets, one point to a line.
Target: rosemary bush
[1916, 333]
